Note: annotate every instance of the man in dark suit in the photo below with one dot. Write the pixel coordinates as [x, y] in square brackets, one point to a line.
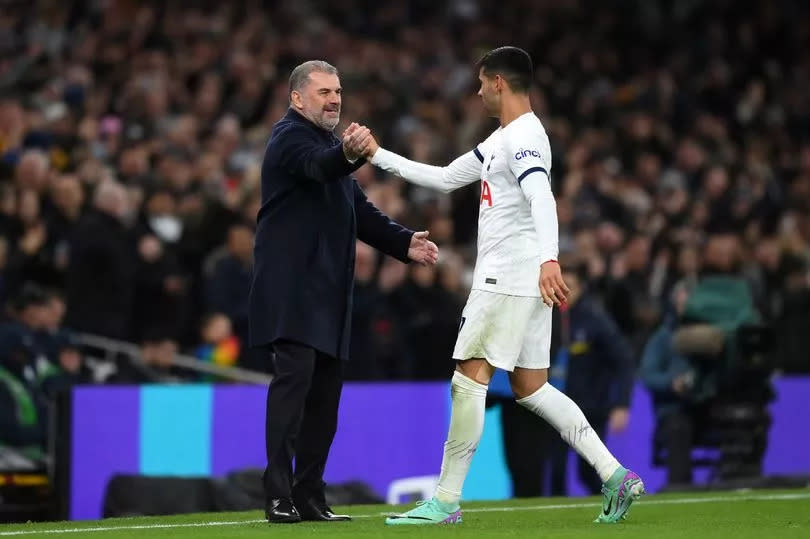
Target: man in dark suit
[312, 213]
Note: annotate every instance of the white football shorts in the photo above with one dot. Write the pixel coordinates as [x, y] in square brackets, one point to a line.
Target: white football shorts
[507, 331]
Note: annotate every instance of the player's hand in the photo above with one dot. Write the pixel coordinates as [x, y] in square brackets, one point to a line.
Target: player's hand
[368, 147]
[618, 420]
[353, 135]
[553, 289]
[359, 141]
[422, 250]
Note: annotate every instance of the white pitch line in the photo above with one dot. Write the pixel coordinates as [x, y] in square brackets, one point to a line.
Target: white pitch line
[653, 501]
[136, 527]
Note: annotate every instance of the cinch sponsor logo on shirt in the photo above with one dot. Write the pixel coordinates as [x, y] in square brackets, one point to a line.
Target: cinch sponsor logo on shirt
[523, 153]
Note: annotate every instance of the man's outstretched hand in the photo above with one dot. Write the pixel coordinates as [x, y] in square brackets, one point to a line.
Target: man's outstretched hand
[553, 289]
[422, 250]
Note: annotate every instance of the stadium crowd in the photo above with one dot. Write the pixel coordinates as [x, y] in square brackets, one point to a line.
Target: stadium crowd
[132, 133]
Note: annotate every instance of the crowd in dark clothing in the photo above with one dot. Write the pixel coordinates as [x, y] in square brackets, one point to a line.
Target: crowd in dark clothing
[131, 138]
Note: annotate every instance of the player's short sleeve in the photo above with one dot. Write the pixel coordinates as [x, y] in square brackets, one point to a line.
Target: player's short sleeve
[527, 151]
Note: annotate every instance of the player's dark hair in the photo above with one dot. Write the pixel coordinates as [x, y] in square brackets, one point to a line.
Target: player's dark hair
[511, 63]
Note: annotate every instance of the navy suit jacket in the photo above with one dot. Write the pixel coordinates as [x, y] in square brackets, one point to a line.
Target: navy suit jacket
[312, 213]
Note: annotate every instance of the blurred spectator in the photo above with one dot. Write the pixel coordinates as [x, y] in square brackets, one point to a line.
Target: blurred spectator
[31, 260]
[790, 322]
[719, 307]
[388, 331]
[101, 273]
[670, 378]
[68, 204]
[23, 415]
[37, 360]
[219, 345]
[428, 314]
[228, 284]
[60, 346]
[629, 297]
[364, 364]
[160, 292]
[31, 173]
[157, 356]
[721, 296]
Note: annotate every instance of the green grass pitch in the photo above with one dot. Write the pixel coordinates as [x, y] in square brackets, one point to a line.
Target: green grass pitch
[734, 515]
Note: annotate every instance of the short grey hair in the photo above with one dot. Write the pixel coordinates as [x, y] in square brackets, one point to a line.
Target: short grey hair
[110, 197]
[300, 75]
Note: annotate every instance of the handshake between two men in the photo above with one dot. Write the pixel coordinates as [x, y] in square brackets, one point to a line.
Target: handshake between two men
[359, 142]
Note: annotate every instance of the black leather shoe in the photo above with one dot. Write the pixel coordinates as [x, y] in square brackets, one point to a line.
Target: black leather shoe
[281, 511]
[316, 510]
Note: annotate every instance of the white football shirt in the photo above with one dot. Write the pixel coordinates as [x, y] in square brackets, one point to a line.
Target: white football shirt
[517, 220]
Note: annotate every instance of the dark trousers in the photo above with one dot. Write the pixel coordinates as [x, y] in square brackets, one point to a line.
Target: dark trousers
[302, 413]
[679, 432]
[534, 452]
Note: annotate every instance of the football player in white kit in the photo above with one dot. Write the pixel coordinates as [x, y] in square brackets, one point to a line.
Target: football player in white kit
[506, 322]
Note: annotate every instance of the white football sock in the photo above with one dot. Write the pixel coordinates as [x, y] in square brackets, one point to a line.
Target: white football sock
[466, 426]
[564, 415]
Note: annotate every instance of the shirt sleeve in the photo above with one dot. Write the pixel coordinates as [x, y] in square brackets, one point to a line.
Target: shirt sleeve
[464, 170]
[303, 155]
[531, 167]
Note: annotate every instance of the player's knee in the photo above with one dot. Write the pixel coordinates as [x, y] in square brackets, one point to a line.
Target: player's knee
[477, 370]
[526, 382]
[522, 391]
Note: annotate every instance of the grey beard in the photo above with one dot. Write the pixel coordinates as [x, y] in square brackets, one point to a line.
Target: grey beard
[329, 125]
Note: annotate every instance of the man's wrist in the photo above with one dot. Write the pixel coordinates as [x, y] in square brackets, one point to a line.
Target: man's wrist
[348, 156]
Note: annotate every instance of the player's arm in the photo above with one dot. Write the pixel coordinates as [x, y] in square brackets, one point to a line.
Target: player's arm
[532, 173]
[464, 170]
